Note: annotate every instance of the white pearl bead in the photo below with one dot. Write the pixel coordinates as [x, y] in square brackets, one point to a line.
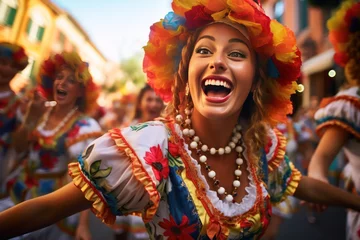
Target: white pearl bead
[239, 149]
[193, 145]
[236, 183]
[196, 139]
[232, 144]
[238, 127]
[204, 148]
[229, 198]
[221, 151]
[239, 161]
[238, 172]
[211, 174]
[187, 111]
[221, 190]
[191, 132]
[212, 151]
[238, 135]
[227, 149]
[186, 131]
[188, 121]
[235, 139]
[179, 118]
[203, 158]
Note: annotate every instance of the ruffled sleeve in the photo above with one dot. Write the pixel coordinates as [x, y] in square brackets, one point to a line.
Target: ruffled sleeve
[343, 111]
[120, 171]
[283, 177]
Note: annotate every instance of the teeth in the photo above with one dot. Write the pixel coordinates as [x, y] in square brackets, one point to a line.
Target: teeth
[217, 83]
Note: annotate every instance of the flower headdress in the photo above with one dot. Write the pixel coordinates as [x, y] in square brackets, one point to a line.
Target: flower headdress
[15, 52]
[274, 43]
[343, 26]
[50, 67]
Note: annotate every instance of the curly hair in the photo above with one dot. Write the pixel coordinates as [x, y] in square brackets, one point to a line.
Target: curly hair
[253, 109]
[352, 68]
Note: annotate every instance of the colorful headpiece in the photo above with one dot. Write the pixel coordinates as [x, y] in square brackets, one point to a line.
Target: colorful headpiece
[15, 52]
[50, 67]
[343, 26]
[274, 44]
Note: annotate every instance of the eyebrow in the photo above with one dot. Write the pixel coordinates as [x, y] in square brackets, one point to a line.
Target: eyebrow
[230, 41]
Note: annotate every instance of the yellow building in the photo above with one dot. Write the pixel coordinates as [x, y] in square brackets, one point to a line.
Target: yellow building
[43, 28]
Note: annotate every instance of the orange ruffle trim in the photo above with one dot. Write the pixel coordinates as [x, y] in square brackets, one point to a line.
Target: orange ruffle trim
[279, 152]
[353, 100]
[99, 205]
[139, 172]
[83, 137]
[321, 128]
[293, 182]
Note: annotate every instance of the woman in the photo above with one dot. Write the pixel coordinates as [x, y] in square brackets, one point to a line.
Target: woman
[339, 117]
[57, 134]
[12, 60]
[216, 172]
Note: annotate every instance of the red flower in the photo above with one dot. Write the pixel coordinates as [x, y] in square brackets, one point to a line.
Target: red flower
[159, 164]
[31, 182]
[198, 16]
[174, 149]
[177, 232]
[74, 132]
[48, 161]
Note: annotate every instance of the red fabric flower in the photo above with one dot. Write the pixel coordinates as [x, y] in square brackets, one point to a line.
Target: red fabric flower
[74, 131]
[177, 232]
[48, 161]
[159, 164]
[31, 182]
[174, 149]
[198, 16]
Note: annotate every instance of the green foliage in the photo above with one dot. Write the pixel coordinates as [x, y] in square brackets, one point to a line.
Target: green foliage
[132, 69]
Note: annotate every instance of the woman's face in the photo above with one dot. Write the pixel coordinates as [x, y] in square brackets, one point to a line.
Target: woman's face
[66, 88]
[221, 71]
[151, 106]
[8, 70]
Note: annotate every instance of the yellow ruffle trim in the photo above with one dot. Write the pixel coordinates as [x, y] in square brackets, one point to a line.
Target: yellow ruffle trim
[99, 205]
[320, 129]
[293, 182]
[140, 173]
[83, 137]
[279, 152]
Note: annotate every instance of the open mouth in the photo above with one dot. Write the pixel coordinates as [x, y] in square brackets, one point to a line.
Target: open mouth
[216, 88]
[61, 93]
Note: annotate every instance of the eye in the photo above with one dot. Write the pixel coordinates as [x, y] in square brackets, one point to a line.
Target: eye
[72, 81]
[237, 54]
[59, 76]
[203, 51]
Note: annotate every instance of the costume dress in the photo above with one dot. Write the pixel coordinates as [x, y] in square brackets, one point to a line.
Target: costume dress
[343, 110]
[45, 168]
[147, 169]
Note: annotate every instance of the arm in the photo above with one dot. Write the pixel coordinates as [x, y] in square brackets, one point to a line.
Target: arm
[315, 191]
[329, 146]
[82, 230]
[48, 209]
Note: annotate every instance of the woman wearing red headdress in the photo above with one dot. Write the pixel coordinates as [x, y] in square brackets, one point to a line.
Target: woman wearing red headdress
[53, 136]
[215, 166]
[339, 117]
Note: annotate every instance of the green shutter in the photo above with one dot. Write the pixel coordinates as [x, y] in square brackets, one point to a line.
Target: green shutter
[10, 18]
[40, 33]
[28, 27]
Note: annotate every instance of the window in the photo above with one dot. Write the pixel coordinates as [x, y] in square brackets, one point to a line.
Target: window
[36, 26]
[8, 9]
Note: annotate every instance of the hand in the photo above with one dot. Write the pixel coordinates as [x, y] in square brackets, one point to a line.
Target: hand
[35, 109]
[82, 232]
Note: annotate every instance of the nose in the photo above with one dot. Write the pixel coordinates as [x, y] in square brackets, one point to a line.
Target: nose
[218, 63]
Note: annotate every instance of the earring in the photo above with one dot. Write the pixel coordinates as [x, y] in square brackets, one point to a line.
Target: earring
[187, 90]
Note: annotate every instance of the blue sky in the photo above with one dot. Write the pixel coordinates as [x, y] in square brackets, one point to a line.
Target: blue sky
[119, 28]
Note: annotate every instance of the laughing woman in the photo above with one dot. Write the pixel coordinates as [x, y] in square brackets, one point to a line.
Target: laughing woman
[214, 167]
[57, 135]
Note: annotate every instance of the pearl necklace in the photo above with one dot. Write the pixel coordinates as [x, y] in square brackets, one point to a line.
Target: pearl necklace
[59, 126]
[201, 149]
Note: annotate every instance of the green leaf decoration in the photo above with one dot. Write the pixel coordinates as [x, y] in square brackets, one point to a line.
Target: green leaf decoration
[138, 127]
[95, 166]
[102, 173]
[87, 152]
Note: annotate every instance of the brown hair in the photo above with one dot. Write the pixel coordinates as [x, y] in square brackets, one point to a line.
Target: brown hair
[137, 110]
[253, 109]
